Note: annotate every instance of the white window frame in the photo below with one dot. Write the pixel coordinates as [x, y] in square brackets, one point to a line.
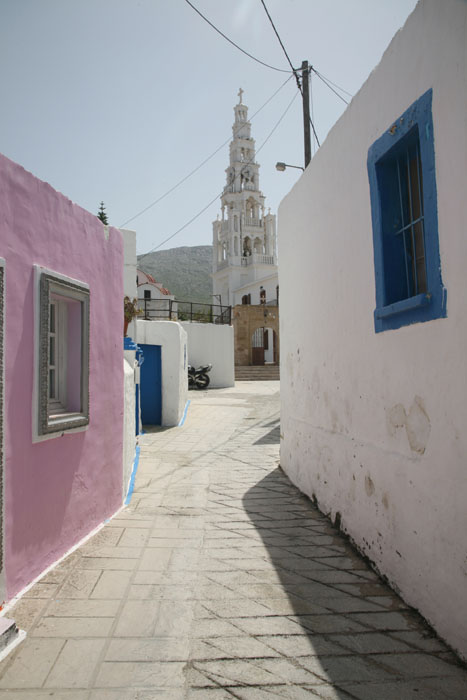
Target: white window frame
[52, 418]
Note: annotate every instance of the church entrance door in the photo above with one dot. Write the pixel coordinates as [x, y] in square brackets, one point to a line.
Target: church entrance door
[257, 347]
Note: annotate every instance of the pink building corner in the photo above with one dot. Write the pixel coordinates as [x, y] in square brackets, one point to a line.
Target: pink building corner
[61, 394]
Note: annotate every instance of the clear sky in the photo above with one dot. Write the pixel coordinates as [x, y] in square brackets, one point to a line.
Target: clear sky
[118, 100]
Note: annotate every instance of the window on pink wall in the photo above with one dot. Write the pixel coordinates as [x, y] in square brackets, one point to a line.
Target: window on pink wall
[63, 354]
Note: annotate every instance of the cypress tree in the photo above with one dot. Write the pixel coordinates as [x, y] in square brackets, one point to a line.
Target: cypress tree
[102, 214]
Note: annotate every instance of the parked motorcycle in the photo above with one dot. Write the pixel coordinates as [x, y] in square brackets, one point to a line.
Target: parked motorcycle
[198, 378]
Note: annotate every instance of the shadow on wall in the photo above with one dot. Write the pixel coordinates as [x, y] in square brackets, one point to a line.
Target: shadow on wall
[344, 625]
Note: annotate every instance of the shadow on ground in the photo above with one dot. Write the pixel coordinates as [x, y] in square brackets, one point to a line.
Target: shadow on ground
[351, 630]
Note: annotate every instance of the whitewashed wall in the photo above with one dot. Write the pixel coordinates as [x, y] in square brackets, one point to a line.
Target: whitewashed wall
[374, 425]
[173, 341]
[210, 343]
[268, 283]
[129, 427]
[129, 271]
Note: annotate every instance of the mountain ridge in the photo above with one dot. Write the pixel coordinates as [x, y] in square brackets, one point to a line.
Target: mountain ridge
[184, 271]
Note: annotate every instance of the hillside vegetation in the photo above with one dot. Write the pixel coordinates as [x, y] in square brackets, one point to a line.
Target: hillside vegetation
[184, 271]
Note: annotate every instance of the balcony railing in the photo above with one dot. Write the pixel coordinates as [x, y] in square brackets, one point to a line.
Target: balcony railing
[257, 259]
[252, 222]
[193, 311]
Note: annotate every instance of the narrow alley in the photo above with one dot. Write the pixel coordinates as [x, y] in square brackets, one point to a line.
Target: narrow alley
[220, 580]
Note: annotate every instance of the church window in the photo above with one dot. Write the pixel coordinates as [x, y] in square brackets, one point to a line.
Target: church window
[147, 293]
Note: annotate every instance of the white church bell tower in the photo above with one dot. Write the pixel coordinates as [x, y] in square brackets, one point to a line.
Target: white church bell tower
[244, 237]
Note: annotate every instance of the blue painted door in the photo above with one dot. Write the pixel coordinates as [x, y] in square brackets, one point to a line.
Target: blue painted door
[151, 385]
[137, 408]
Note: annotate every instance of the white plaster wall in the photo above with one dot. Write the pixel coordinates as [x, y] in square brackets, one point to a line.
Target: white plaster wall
[173, 341]
[209, 343]
[373, 424]
[129, 428]
[129, 271]
[269, 353]
[269, 284]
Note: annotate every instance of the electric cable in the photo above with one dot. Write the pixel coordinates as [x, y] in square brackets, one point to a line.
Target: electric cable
[280, 40]
[280, 70]
[294, 70]
[312, 107]
[330, 81]
[219, 194]
[192, 172]
[329, 86]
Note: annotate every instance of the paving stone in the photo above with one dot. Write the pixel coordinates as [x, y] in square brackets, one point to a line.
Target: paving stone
[402, 690]
[125, 674]
[138, 694]
[154, 649]
[44, 694]
[108, 563]
[75, 664]
[137, 619]
[346, 668]
[227, 672]
[297, 645]
[369, 643]
[42, 590]
[132, 537]
[155, 559]
[79, 584]
[174, 620]
[111, 584]
[82, 608]
[73, 627]
[419, 665]
[31, 665]
[27, 611]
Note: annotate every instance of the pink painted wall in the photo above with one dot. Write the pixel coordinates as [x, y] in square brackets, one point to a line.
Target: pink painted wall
[58, 490]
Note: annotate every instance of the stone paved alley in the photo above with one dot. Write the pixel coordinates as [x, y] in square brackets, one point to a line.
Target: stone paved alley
[220, 580]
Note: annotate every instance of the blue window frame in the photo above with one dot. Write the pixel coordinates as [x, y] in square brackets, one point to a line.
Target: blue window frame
[401, 171]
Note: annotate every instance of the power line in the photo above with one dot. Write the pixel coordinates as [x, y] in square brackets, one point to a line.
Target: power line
[330, 81]
[294, 70]
[219, 194]
[280, 40]
[280, 70]
[312, 105]
[329, 86]
[192, 172]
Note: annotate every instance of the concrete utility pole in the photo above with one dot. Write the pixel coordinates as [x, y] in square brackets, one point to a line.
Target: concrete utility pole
[306, 112]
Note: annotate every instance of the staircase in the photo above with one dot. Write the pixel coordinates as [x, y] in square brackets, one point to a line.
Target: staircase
[257, 373]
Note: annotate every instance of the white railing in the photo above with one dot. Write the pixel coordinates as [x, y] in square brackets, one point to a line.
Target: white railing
[257, 259]
[249, 221]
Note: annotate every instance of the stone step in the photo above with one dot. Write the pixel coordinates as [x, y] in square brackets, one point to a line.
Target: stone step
[257, 373]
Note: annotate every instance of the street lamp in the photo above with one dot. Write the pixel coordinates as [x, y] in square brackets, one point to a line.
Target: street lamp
[282, 166]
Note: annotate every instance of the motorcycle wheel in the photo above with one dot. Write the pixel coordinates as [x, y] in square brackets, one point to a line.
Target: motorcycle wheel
[201, 381]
